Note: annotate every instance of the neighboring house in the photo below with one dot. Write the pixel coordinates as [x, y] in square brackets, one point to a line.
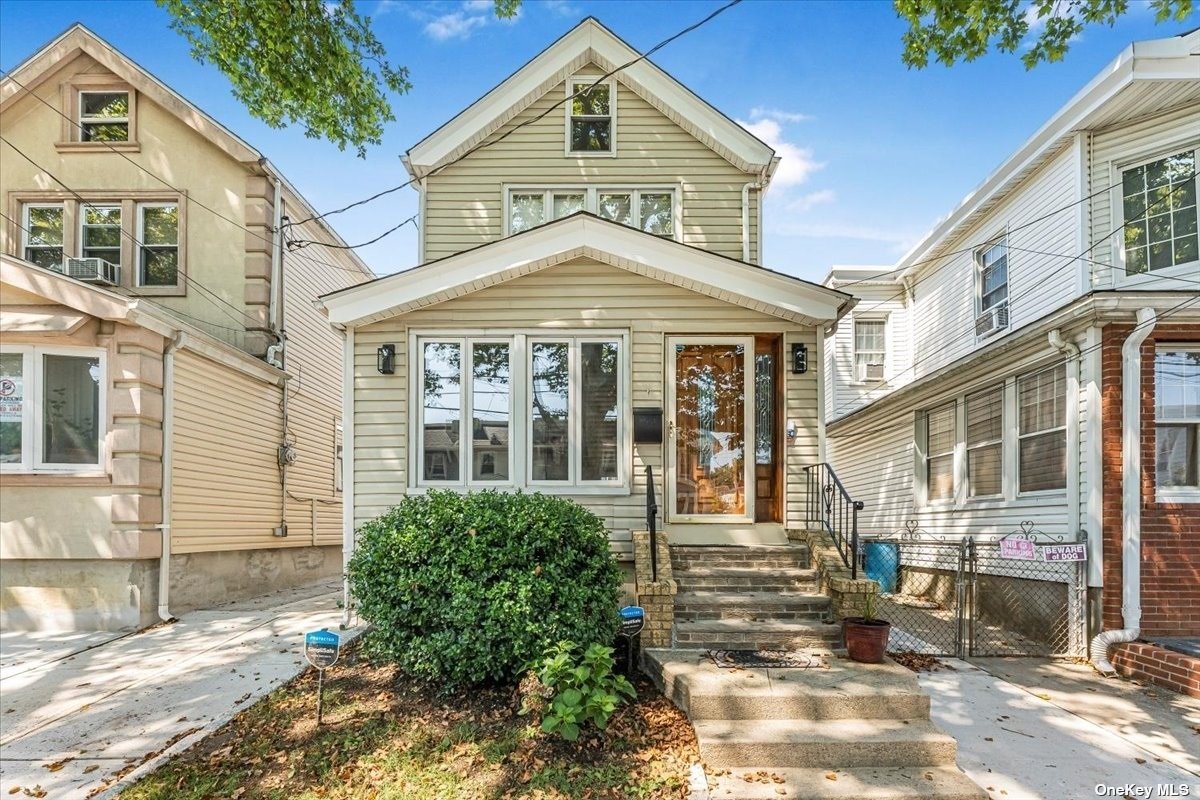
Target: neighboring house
[164, 378]
[589, 304]
[1037, 356]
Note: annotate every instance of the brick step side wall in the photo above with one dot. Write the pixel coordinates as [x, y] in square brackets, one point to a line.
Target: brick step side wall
[1153, 664]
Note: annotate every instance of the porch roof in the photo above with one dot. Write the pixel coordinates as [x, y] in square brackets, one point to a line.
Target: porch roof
[584, 235]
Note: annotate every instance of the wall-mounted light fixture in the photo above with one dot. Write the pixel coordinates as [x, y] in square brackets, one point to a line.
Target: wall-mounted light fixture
[799, 359]
[385, 359]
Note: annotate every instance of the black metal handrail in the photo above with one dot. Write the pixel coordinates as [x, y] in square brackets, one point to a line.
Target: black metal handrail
[651, 523]
[831, 506]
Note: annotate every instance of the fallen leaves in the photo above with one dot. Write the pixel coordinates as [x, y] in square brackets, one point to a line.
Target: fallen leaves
[917, 662]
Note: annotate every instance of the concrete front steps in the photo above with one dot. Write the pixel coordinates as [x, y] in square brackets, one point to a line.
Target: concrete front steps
[756, 597]
[834, 730]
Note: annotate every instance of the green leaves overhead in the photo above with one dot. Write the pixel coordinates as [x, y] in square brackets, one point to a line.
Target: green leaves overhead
[312, 62]
[950, 31]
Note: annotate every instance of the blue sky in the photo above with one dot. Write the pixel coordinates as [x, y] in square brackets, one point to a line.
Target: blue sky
[874, 153]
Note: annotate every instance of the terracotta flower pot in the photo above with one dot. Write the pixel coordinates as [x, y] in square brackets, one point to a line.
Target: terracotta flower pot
[866, 639]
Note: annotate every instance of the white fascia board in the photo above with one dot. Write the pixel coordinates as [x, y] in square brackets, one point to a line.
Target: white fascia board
[588, 35]
[351, 306]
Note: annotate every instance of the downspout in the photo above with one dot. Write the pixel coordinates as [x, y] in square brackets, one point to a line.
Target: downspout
[276, 261]
[168, 426]
[1131, 494]
[746, 218]
[1071, 351]
[347, 468]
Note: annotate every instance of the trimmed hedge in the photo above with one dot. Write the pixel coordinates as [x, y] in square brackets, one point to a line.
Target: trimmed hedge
[466, 589]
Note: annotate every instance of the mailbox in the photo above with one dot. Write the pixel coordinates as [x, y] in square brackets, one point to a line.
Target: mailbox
[647, 425]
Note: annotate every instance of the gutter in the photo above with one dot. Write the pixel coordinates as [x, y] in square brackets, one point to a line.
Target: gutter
[1131, 494]
[168, 426]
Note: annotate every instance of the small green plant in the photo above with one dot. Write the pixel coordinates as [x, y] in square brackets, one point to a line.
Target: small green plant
[869, 607]
[578, 690]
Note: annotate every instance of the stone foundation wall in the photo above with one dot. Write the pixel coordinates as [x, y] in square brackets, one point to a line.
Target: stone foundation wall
[849, 596]
[203, 580]
[657, 597]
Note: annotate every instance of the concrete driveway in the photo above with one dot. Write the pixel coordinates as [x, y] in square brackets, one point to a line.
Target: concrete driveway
[1040, 729]
[82, 714]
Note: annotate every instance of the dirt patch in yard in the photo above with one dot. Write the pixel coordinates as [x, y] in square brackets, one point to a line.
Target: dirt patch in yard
[386, 737]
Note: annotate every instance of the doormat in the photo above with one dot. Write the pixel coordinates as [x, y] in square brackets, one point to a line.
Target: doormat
[770, 659]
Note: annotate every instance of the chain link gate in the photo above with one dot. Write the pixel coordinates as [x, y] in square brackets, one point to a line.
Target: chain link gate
[974, 595]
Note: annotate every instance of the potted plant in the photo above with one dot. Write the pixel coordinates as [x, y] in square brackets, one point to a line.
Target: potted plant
[866, 636]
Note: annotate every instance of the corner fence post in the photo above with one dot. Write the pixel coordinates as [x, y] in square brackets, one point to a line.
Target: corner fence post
[857, 506]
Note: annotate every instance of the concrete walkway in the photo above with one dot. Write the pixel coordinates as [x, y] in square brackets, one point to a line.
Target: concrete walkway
[1035, 729]
[81, 712]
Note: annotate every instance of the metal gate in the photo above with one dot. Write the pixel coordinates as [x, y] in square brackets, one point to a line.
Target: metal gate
[980, 595]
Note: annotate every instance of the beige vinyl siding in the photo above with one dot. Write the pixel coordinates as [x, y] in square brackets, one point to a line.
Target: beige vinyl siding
[464, 202]
[1143, 140]
[801, 410]
[574, 296]
[225, 481]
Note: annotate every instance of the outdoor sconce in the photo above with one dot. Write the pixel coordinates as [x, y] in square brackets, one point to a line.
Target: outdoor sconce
[385, 359]
[799, 359]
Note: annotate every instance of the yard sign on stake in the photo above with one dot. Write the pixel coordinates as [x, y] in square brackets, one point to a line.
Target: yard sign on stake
[322, 649]
[633, 619]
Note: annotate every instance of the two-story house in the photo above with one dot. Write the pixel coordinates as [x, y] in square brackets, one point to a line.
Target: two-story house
[1036, 357]
[170, 400]
[590, 308]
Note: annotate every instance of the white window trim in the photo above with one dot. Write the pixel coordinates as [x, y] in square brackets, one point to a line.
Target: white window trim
[520, 457]
[83, 225]
[1010, 449]
[859, 380]
[92, 120]
[1000, 239]
[32, 416]
[1002, 387]
[1117, 219]
[1174, 494]
[940, 502]
[140, 245]
[612, 116]
[27, 227]
[591, 194]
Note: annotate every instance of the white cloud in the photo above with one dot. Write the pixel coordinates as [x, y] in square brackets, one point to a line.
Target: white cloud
[478, 5]
[563, 8]
[796, 163]
[779, 115]
[458, 25]
[807, 202]
[900, 240]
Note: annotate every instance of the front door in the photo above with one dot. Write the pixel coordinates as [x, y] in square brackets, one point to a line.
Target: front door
[710, 454]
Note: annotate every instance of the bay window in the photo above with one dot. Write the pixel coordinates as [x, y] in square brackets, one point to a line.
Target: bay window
[520, 410]
[1177, 421]
[52, 408]
[654, 210]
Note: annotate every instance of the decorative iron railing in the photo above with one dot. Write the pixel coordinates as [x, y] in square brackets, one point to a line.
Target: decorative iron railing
[652, 522]
[829, 505]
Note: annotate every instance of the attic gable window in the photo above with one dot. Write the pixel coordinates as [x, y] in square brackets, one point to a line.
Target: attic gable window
[104, 116]
[590, 117]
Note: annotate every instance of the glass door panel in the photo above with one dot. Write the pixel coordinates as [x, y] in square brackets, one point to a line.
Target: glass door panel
[711, 428]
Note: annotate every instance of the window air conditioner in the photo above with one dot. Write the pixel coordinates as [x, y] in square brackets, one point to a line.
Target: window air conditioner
[992, 320]
[92, 270]
[870, 372]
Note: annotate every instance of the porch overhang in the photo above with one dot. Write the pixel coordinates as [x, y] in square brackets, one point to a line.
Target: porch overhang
[584, 235]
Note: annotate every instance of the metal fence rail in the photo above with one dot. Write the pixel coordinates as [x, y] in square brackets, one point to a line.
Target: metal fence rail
[971, 596]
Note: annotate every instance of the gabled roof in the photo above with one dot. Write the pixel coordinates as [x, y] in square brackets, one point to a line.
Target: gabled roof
[77, 40]
[584, 235]
[1145, 78]
[590, 42]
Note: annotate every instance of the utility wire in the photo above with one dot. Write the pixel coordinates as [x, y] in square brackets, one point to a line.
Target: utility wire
[211, 296]
[489, 142]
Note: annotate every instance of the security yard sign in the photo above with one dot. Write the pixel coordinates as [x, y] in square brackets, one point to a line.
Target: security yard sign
[1064, 552]
[322, 649]
[633, 619]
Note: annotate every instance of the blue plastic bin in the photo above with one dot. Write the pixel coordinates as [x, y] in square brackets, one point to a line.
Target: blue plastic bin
[881, 562]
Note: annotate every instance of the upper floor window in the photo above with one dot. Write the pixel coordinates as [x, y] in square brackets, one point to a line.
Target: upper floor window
[44, 234]
[104, 116]
[590, 117]
[1159, 214]
[654, 210]
[1177, 418]
[51, 408]
[870, 349]
[991, 279]
[100, 233]
[158, 232]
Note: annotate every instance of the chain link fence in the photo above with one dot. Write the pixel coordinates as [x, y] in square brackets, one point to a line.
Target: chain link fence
[980, 595]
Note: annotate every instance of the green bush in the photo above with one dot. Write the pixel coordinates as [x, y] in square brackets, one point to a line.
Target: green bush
[580, 689]
[466, 589]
